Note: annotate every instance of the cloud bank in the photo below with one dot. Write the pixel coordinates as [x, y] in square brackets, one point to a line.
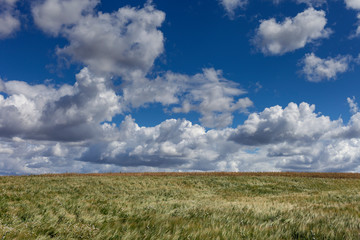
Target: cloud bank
[294, 138]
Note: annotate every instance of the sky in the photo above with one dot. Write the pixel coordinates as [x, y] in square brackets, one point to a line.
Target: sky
[215, 85]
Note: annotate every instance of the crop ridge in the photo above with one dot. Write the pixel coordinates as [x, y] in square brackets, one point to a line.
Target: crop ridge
[218, 174]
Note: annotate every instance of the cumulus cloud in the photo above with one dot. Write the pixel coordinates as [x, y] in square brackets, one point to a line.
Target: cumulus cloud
[277, 38]
[354, 4]
[9, 19]
[53, 15]
[357, 33]
[231, 5]
[208, 93]
[317, 69]
[291, 124]
[353, 105]
[69, 113]
[333, 156]
[298, 139]
[214, 97]
[123, 43]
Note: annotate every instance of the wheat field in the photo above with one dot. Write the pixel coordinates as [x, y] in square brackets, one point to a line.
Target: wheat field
[181, 206]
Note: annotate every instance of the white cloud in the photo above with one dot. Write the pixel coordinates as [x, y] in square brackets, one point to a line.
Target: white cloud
[208, 93]
[8, 24]
[297, 139]
[275, 38]
[291, 124]
[317, 69]
[353, 105]
[333, 156]
[231, 5]
[351, 130]
[214, 97]
[9, 20]
[123, 43]
[357, 32]
[53, 15]
[354, 4]
[70, 113]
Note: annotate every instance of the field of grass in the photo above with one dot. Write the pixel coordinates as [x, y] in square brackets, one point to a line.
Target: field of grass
[181, 206]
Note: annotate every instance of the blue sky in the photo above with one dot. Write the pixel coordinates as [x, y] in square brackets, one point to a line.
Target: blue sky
[227, 85]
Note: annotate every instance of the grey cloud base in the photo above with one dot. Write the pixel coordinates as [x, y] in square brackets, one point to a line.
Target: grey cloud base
[277, 139]
[69, 113]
